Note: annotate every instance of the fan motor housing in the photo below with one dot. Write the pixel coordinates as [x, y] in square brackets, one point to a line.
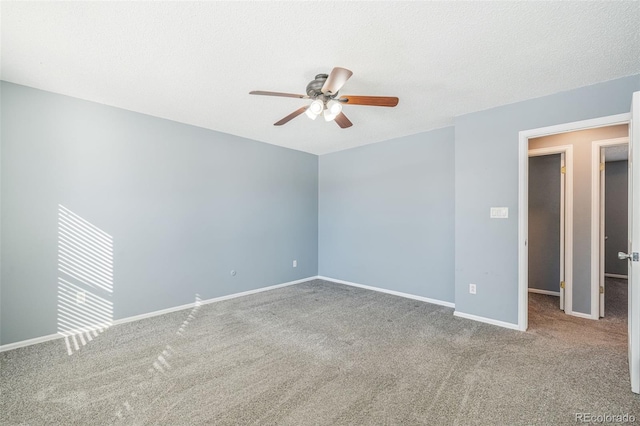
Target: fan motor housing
[314, 88]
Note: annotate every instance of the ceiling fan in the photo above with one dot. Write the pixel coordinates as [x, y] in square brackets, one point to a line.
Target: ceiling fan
[324, 92]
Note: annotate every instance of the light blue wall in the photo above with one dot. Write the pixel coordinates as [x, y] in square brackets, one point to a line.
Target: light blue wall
[486, 175]
[184, 206]
[386, 215]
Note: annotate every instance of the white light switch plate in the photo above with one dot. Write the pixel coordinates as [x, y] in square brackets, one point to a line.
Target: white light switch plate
[499, 213]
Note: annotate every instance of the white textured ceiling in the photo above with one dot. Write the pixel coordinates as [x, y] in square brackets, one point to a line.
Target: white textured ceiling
[196, 62]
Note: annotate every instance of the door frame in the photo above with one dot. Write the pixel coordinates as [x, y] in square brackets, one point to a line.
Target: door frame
[597, 220]
[523, 198]
[566, 221]
[634, 241]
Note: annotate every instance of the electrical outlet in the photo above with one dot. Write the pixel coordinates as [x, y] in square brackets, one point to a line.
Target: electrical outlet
[295, 263]
[81, 297]
[472, 288]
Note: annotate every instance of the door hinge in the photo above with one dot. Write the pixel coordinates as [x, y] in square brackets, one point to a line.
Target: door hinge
[561, 284]
[601, 290]
[563, 170]
[601, 166]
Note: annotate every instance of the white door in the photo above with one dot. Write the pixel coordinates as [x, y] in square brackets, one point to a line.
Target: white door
[563, 171]
[634, 244]
[548, 202]
[602, 236]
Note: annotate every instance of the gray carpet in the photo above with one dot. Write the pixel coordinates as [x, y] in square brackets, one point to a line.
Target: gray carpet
[324, 353]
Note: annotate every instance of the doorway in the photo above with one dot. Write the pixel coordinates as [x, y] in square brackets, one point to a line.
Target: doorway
[632, 119]
[581, 307]
[550, 222]
[609, 174]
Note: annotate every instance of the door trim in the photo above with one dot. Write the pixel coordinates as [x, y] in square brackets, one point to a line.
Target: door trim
[597, 227]
[523, 201]
[566, 224]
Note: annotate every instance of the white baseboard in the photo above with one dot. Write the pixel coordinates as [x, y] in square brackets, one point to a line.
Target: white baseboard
[29, 342]
[487, 320]
[547, 292]
[393, 292]
[49, 337]
[206, 302]
[622, 277]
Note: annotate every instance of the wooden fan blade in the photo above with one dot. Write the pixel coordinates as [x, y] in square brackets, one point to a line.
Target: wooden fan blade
[284, 95]
[291, 116]
[336, 80]
[385, 101]
[343, 121]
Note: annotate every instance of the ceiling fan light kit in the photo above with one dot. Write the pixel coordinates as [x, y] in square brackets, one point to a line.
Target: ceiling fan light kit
[324, 92]
[332, 109]
[310, 114]
[315, 109]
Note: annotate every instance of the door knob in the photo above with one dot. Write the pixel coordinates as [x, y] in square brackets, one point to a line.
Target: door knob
[633, 256]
